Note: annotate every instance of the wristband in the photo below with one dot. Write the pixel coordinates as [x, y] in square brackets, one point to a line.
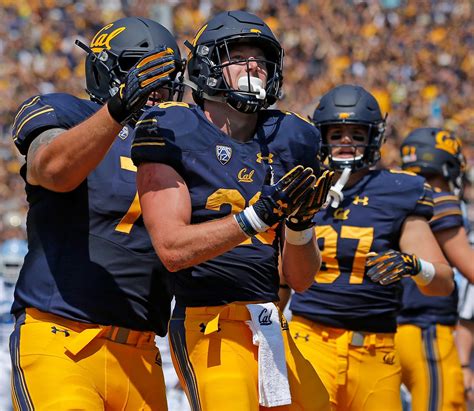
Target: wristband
[285, 286]
[298, 237]
[426, 274]
[249, 222]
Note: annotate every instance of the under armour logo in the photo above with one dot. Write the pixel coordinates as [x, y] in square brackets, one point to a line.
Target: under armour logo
[268, 158]
[264, 318]
[305, 337]
[361, 200]
[407, 259]
[55, 330]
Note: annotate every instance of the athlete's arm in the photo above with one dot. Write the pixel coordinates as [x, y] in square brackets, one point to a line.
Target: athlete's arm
[300, 263]
[166, 208]
[60, 160]
[418, 239]
[301, 257]
[456, 248]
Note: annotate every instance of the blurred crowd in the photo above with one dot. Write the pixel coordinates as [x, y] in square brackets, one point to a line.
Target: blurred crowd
[416, 57]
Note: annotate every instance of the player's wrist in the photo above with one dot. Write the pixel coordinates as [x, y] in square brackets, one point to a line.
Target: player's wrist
[267, 211]
[117, 110]
[426, 273]
[298, 237]
[249, 222]
[296, 225]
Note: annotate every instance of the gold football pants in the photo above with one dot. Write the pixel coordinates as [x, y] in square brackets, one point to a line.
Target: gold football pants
[59, 364]
[430, 367]
[361, 371]
[219, 371]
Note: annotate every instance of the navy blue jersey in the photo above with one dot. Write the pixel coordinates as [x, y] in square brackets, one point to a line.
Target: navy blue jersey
[224, 176]
[420, 309]
[370, 218]
[90, 258]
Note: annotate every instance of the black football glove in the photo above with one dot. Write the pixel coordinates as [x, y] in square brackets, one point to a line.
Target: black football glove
[281, 199]
[302, 219]
[149, 74]
[390, 266]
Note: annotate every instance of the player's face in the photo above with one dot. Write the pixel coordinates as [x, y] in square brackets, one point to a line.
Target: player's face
[255, 66]
[349, 138]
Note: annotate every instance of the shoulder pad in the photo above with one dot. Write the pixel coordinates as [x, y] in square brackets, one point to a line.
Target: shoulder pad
[447, 211]
[40, 113]
[300, 139]
[161, 134]
[408, 191]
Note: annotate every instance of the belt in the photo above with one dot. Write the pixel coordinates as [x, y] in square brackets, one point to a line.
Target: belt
[127, 336]
[86, 333]
[344, 340]
[236, 311]
[355, 338]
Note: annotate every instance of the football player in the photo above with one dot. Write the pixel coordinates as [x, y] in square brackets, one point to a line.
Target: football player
[90, 296]
[375, 232]
[217, 181]
[430, 364]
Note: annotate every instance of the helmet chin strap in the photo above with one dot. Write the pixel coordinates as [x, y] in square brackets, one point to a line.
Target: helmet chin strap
[335, 195]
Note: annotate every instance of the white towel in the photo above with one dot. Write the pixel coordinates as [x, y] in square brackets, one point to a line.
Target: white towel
[273, 386]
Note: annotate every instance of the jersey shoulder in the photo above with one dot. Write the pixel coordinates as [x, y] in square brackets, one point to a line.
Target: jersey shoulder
[447, 211]
[408, 191]
[42, 112]
[295, 138]
[164, 132]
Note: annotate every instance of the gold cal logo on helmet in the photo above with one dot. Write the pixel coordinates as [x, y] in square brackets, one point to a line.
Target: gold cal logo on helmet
[447, 142]
[102, 40]
[345, 116]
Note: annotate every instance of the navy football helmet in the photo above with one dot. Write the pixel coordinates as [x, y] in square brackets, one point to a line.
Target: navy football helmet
[350, 104]
[212, 44]
[434, 151]
[117, 47]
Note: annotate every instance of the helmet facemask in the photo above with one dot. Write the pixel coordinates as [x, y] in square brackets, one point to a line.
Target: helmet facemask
[371, 150]
[251, 94]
